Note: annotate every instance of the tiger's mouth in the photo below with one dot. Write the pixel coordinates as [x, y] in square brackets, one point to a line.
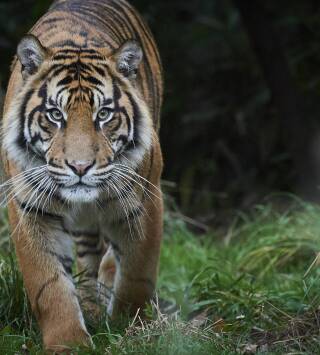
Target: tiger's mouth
[78, 188]
[79, 193]
[80, 184]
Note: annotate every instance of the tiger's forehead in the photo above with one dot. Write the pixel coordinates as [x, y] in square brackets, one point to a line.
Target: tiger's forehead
[79, 77]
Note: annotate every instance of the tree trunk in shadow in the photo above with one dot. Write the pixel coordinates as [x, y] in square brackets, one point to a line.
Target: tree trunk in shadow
[296, 131]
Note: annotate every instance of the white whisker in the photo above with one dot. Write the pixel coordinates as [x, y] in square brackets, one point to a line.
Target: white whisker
[114, 187]
[21, 187]
[131, 171]
[132, 200]
[145, 189]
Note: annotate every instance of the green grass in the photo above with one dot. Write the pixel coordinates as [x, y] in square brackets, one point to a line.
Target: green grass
[254, 289]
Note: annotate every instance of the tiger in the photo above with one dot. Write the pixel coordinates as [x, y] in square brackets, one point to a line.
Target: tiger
[81, 152]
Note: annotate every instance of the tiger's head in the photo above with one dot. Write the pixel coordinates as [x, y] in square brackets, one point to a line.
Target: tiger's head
[79, 112]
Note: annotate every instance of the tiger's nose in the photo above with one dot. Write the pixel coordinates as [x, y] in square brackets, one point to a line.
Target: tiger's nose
[80, 167]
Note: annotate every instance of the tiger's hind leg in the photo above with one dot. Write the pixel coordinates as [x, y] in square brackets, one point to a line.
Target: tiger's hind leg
[90, 249]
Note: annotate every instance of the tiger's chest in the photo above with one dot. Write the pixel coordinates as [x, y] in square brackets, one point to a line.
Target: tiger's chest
[104, 220]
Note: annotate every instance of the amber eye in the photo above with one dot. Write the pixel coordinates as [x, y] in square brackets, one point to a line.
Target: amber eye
[105, 114]
[55, 115]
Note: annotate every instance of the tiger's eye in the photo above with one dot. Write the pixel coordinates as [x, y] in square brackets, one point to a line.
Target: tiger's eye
[56, 114]
[104, 114]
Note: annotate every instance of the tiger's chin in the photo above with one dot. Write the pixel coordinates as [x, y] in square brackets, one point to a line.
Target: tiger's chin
[79, 194]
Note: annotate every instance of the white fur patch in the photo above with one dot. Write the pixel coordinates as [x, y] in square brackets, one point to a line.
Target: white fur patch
[79, 194]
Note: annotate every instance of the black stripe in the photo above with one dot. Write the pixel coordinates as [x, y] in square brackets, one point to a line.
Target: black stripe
[92, 56]
[118, 124]
[41, 121]
[51, 21]
[21, 141]
[45, 190]
[55, 278]
[89, 252]
[112, 31]
[54, 165]
[117, 251]
[65, 81]
[88, 243]
[135, 213]
[93, 17]
[92, 80]
[65, 43]
[77, 234]
[82, 50]
[100, 71]
[118, 23]
[59, 93]
[136, 119]
[66, 262]
[63, 57]
[122, 138]
[57, 69]
[64, 259]
[24, 207]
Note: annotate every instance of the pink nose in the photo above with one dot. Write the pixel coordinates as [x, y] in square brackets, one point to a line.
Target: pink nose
[80, 167]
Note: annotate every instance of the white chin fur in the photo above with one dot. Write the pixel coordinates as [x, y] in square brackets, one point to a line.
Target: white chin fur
[79, 194]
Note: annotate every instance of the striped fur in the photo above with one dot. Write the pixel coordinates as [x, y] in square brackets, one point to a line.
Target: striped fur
[81, 151]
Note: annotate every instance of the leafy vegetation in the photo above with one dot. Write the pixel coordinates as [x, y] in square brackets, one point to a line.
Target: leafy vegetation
[252, 289]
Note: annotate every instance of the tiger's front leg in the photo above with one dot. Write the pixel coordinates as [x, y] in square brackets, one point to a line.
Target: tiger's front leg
[45, 260]
[136, 254]
[90, 250]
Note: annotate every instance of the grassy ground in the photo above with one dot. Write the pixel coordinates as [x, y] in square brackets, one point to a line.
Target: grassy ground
[255, 289]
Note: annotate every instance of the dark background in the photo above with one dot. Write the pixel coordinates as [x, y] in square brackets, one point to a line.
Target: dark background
[242, 104]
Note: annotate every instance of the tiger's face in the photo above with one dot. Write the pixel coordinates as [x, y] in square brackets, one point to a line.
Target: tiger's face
[80, 114]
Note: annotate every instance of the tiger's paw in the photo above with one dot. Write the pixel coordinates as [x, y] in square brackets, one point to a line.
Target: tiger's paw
[62, 342]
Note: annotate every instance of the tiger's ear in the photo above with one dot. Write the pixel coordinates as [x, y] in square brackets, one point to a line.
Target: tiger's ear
[128, 59]
[31, 55]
